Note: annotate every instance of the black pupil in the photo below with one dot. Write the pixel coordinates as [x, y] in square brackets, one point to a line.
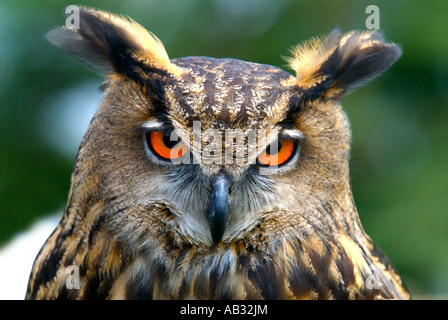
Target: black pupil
[273, 148]
[168, 142]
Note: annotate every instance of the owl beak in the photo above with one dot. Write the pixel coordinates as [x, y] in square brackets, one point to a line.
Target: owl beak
[219, 206]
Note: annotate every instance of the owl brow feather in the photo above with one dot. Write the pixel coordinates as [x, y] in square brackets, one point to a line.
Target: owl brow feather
[295, 105]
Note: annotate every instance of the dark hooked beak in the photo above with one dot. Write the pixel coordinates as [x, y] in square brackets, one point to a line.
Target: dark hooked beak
[219, 206]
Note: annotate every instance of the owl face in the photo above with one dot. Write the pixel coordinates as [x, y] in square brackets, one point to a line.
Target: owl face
[207, 148]
[217, 146]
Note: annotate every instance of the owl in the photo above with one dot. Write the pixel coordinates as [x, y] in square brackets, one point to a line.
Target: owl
[204, 178]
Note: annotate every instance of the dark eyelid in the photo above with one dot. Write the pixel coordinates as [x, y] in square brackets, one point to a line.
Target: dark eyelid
[164, 127]
[281, 137]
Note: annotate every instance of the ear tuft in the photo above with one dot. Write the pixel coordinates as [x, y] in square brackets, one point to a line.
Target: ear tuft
[113, 44]
[308, 56]
[340, 63]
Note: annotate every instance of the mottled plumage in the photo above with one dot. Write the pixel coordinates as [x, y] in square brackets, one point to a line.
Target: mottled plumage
[140, 227]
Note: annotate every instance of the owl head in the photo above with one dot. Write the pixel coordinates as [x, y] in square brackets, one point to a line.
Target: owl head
[201, 149]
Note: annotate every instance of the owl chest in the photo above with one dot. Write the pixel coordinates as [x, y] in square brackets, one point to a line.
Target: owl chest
[219, 274]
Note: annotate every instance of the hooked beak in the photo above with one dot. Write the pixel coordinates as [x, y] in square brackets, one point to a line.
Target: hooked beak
[219, 206]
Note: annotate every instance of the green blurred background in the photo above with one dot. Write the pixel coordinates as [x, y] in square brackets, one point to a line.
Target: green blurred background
[399, 163]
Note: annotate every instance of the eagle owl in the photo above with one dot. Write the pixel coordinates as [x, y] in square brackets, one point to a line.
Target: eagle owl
[203, 178]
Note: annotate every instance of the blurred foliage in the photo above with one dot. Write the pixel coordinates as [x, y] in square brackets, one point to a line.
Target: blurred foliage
[399, 155]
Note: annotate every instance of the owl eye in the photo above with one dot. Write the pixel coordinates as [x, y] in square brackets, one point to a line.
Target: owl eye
[277, 153]
[162, 145]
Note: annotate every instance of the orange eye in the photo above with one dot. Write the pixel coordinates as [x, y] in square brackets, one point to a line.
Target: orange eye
[277, 153]
[166, 148]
